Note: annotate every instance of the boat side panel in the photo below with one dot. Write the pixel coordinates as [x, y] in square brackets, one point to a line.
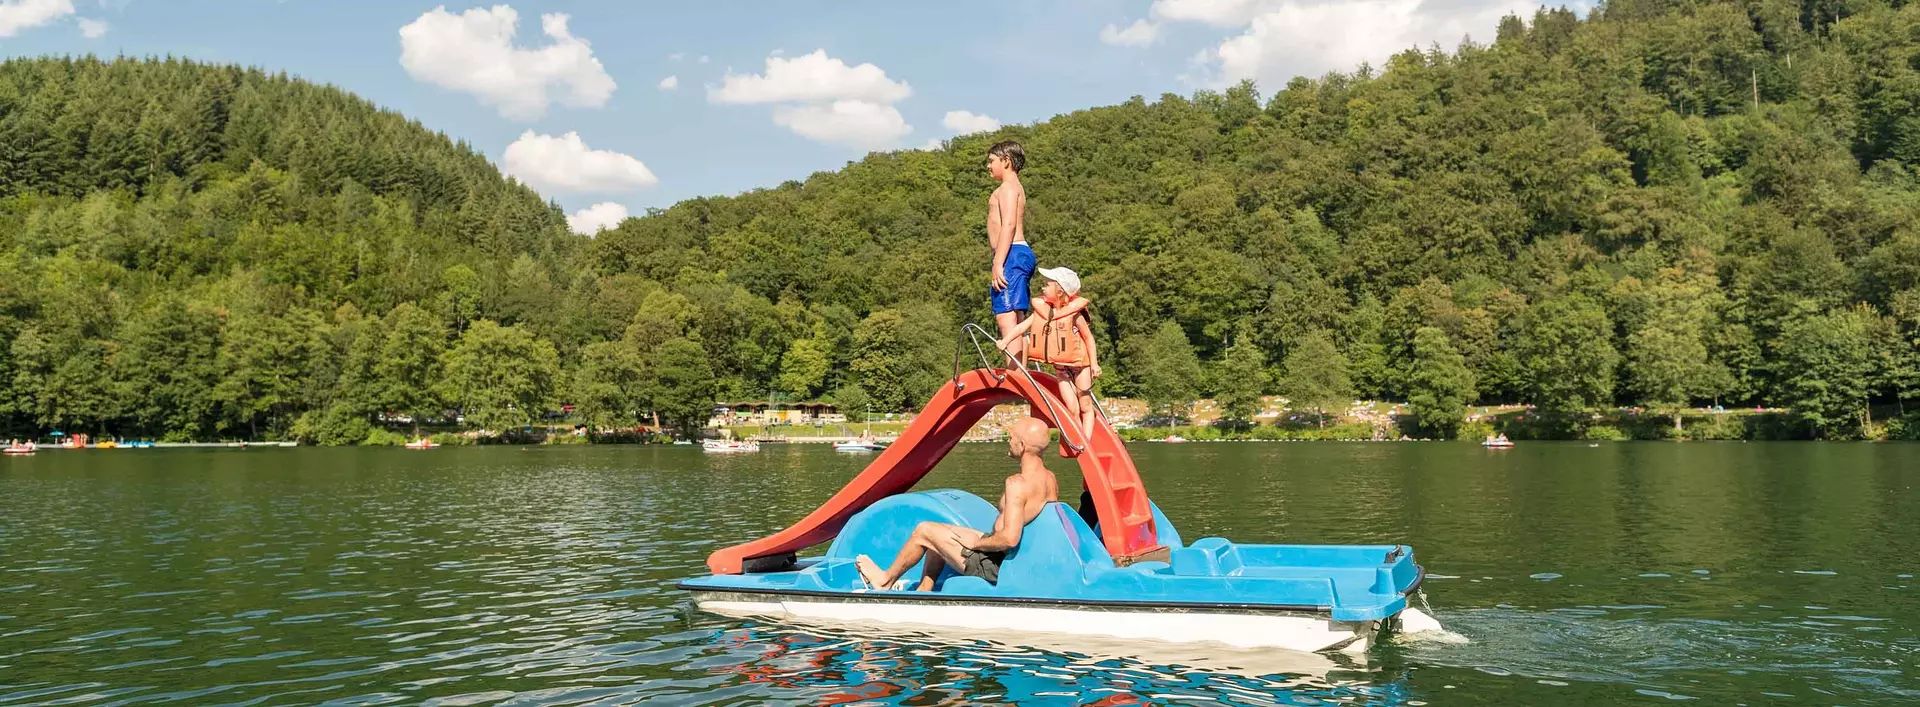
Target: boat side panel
[1285, 631]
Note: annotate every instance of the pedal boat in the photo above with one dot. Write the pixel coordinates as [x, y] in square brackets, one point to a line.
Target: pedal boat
[1122, 571]
[1061, 580]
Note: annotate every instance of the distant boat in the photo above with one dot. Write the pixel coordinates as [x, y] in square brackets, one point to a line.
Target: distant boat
[138, 444]
[726, 446]
[1174, 439]
[19, 449]
[683, 443]
[422, 443]
[1497, 442]
[859, 445]
[105, 444]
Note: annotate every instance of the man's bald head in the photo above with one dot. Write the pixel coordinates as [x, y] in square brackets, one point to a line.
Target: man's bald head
[1028, 435]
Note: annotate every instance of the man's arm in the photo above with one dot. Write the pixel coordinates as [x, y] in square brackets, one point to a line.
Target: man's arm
[1006, 528]
[1000, 234]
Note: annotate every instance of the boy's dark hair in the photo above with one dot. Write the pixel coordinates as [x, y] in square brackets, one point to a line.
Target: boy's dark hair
[1015, 154]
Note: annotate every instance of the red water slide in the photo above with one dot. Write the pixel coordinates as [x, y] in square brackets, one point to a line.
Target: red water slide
[1126, 518]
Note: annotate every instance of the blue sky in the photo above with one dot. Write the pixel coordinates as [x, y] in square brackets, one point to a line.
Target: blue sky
[764, 91]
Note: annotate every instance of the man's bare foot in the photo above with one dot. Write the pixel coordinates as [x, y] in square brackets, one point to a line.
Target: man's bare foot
[870, 572]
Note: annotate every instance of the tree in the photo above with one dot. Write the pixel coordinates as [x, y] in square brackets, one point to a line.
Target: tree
[680, 382]
[1667, 362]
[1167, 369]
[878, 351]
[408, 369]
[1439, 385]
[1316, 376]
[805, 365]
[1242, 378]
[607, 389]
[500, 377]
[1568, 355]
[264, 359]
[167, 367]
[460, 303]
[1829, 367]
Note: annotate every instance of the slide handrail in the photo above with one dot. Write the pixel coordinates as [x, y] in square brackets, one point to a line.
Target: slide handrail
[973, 333]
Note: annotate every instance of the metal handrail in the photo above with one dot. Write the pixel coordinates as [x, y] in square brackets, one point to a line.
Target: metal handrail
[973, 333]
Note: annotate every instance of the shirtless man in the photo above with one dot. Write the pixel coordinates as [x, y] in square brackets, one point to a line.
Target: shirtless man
[971, 552]
[1013, 260]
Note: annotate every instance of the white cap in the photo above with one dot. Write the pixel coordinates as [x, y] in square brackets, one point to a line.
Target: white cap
[1068, 279]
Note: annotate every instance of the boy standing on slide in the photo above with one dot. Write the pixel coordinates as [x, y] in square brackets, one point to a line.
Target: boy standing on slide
[1013, 260]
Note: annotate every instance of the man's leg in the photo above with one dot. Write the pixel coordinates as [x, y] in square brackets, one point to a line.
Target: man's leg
[1007, 321]
[943, 539]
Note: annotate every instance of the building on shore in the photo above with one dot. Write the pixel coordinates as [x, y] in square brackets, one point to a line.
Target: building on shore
[759, 412]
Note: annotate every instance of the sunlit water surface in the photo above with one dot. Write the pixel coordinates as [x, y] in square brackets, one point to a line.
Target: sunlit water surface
[1617, 574]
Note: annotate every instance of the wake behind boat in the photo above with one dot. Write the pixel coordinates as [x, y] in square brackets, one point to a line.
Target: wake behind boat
[1128, 575]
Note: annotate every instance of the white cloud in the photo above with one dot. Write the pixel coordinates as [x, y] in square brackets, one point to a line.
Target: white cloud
[822, 98]
[703, 58]
[591, 220]
[676, 57]
[854, 123]
[16, 15]
[810, 78]
[474, 52]
[669, 83]
[1281, 39]
[92, 28]
[565, 163]
[1139, 34]
[934, 144]
[965, 123]
[1219, 13]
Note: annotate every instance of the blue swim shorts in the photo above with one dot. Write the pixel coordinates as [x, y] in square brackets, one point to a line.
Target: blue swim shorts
[1018, 271]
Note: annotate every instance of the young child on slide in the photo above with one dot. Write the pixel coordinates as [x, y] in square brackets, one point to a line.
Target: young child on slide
[1060, 333]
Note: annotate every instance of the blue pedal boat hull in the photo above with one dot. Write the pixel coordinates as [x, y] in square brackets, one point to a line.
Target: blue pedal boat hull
[1061, 580]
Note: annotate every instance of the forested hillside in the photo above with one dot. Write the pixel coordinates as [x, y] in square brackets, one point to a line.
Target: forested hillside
[193, 251]
[1666, 204]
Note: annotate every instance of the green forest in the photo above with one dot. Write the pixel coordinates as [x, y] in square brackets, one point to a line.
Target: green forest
[1663, 205]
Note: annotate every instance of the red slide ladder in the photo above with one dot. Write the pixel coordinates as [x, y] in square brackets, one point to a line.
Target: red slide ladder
[1126, 517]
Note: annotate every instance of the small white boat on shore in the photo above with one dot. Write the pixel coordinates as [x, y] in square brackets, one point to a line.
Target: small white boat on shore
[729, 446]
[1497, 442]
[1174, 439]
[422, 443]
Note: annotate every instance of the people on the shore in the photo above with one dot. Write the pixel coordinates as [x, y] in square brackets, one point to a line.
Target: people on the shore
[1013, 259]
[968, 551]
[1060, 334]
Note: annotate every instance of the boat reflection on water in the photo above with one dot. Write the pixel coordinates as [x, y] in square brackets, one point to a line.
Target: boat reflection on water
[833, 663]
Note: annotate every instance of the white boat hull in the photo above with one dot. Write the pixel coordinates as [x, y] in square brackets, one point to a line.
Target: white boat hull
[1284, 630]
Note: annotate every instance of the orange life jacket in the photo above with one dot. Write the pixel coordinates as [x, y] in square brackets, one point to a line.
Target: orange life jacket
[1055, 339]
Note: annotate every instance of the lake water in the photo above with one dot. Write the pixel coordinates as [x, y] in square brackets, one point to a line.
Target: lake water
[1618, 574]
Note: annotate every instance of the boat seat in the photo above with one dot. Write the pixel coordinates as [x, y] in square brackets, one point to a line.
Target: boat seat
[1208, 557]
[880, 530]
